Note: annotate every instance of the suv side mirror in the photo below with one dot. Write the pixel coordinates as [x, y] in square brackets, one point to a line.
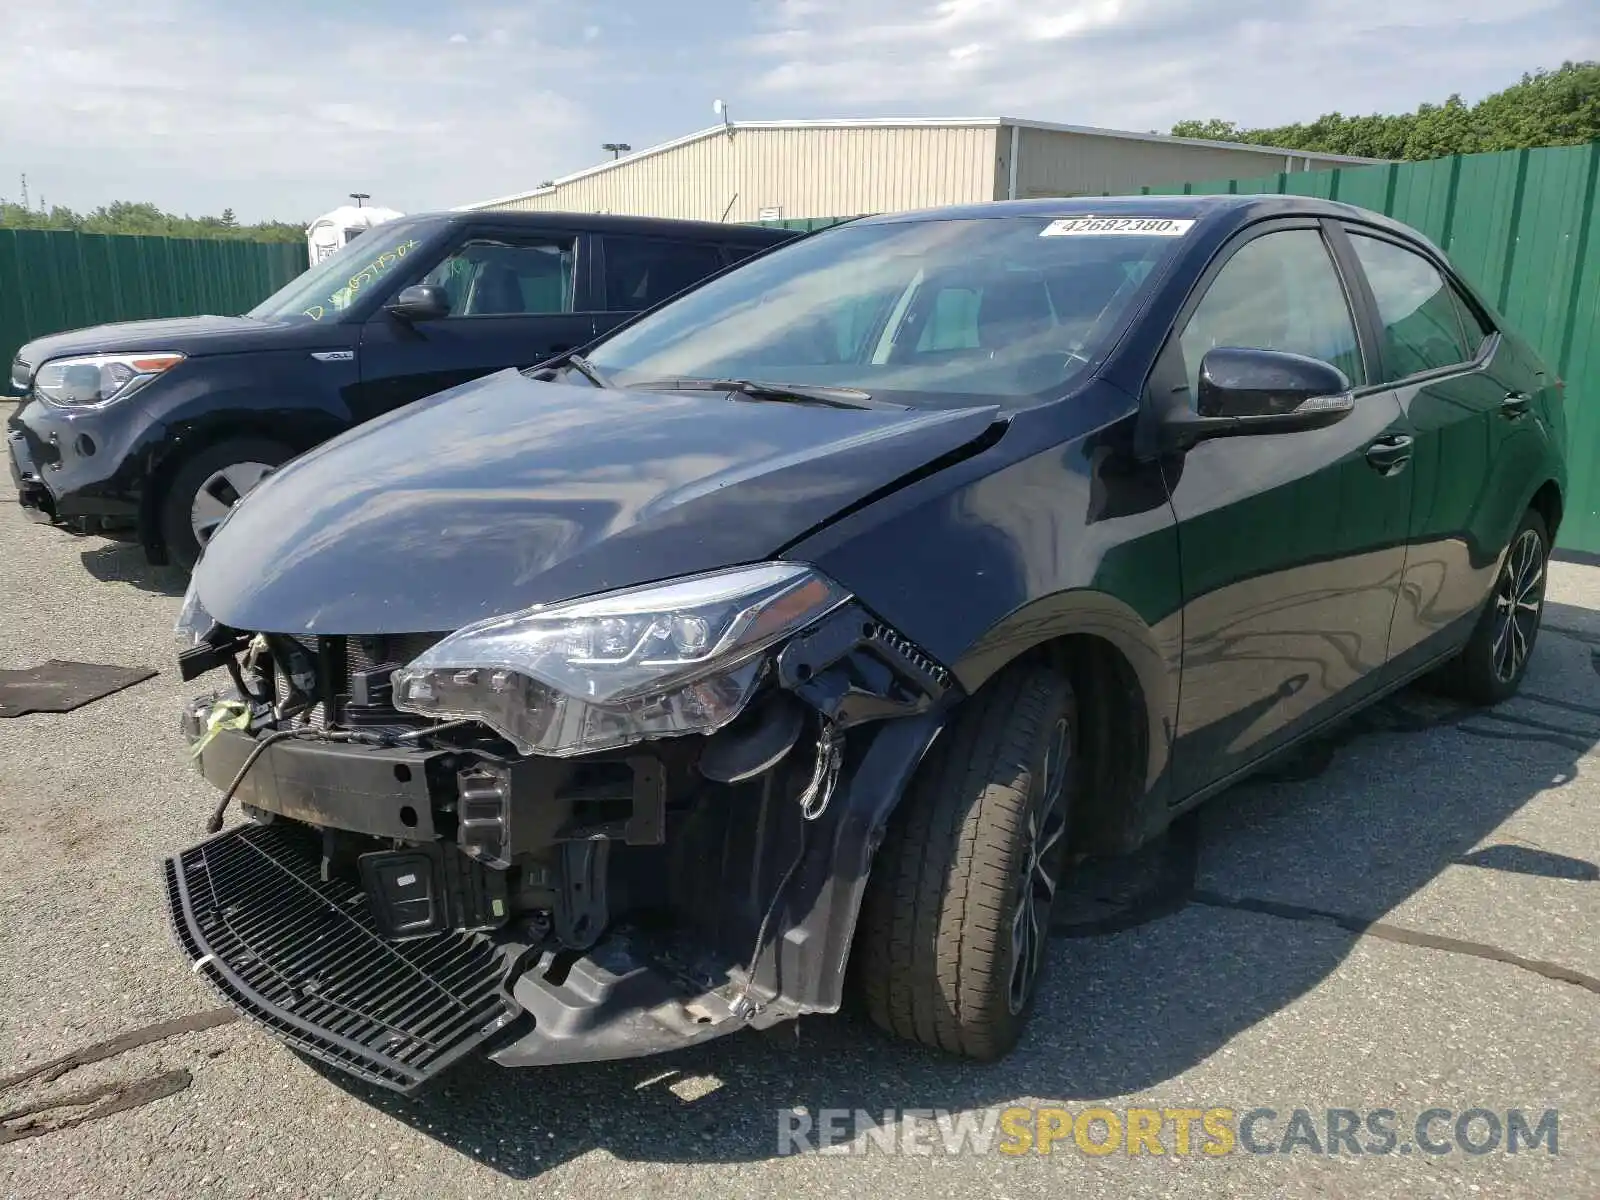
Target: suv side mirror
[1245, 391]
[420, 302]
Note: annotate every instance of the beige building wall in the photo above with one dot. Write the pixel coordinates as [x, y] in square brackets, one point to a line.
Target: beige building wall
[804, 171]
[1059, 163]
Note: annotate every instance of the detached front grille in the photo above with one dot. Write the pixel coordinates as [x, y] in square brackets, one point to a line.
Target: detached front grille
[303, 957]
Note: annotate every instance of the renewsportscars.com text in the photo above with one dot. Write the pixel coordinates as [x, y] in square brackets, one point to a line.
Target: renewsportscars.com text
[1207, 1132]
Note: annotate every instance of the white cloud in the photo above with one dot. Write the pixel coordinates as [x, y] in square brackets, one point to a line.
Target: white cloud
[1143, 64]
[200, 106]
[198, 109]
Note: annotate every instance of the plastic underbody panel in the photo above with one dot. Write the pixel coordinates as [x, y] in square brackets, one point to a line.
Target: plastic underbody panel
[303, 957]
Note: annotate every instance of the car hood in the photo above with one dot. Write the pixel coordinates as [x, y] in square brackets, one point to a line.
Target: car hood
[189, 335]
[507, 493]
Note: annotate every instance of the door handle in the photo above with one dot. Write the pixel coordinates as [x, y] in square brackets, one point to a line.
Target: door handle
[1390, 455]
[1513, 406]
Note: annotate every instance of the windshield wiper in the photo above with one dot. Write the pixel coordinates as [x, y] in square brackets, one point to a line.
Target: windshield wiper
[784, 393]
[545, 372]
[587, 369]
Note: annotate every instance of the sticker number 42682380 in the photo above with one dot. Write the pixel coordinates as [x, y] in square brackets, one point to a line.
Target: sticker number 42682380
[1101, 226]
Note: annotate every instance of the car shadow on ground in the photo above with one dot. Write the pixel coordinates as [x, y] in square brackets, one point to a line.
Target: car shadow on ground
[1145, 974]
[124, 562]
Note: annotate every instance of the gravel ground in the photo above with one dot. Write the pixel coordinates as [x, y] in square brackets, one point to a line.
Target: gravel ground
[1246, 979]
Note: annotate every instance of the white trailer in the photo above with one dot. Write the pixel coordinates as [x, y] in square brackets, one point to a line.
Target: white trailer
[332, 231]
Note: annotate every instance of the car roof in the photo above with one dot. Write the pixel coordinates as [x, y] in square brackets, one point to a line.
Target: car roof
[610, 223]
[1231, 210]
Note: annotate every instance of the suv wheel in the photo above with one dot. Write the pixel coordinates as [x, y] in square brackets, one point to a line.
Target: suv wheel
[955, 922]
[1491, 665]
[207, 486]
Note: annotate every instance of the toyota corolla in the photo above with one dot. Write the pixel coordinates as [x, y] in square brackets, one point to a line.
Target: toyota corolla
[801, 635]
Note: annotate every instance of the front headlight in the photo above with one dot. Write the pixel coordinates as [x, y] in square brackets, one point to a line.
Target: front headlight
[97, 379]
[194, 622]
[655, 661]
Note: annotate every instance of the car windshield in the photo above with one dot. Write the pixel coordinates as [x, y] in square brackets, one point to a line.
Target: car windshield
[335, 283]
[927, 313]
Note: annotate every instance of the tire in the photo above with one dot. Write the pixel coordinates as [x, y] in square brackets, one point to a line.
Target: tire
[241, 458]
[937, 955]
[1490, 667]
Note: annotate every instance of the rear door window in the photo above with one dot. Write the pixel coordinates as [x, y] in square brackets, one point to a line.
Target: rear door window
[641, 272]
[1421, 324]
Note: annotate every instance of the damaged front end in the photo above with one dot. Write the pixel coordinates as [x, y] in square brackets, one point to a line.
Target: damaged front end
[589, 830]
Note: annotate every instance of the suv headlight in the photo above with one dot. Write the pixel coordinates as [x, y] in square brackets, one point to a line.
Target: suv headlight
[585, 675]
[97, 379]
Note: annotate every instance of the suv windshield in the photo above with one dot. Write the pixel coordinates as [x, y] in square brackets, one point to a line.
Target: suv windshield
[335, 283]
[927, 313]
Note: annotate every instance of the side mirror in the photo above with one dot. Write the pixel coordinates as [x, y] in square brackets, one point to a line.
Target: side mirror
[1246, 391]
[420, 302]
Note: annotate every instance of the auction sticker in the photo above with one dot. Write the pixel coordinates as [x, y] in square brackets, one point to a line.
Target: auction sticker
[1111, 226]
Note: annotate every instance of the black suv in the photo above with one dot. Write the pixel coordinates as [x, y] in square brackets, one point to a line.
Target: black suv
[156, 428]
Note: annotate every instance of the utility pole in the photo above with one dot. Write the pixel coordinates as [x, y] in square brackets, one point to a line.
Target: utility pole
[24, 190]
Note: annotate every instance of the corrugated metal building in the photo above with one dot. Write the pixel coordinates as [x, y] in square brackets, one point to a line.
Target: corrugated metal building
[769, 170]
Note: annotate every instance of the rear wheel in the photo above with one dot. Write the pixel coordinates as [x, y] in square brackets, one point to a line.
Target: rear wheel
[955, 923]
[1491, 665]
[207, 486]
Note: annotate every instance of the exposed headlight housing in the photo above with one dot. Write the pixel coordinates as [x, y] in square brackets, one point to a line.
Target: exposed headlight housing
[95, 380]
[194, 622]
[661, 660]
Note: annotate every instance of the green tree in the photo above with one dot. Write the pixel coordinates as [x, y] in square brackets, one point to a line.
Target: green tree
[1213, 129]
[1546, 108]
[124, 216]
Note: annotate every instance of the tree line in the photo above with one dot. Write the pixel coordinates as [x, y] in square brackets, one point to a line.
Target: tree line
[1546, 108]
[126, 217]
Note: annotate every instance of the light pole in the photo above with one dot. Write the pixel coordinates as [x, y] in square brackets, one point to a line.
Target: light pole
[618, 149]
[358, 197]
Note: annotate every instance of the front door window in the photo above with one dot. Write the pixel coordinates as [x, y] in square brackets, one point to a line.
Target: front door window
[495, 277]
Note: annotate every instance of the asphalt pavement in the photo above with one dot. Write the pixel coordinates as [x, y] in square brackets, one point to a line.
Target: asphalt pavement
[1401, 917]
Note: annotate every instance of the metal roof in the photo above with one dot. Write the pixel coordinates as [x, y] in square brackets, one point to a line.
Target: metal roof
[731, 127]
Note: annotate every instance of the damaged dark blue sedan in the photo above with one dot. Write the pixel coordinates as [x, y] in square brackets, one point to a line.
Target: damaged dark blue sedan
[802, 634]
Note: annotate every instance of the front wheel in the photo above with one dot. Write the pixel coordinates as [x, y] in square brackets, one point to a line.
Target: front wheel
[207, 486]
[955, 922]
[1491, 665]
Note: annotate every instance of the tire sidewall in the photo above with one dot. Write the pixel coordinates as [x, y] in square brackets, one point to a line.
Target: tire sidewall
[933, 953]
[1062, 705]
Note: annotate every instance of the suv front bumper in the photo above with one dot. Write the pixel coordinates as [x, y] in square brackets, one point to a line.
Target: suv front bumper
[72, 468]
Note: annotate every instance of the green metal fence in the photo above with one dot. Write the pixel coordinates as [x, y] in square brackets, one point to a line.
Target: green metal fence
[53, 279]
[807, 224]
[1521, 225]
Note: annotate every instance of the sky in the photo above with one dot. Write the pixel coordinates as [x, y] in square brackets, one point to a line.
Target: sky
[280, 108]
